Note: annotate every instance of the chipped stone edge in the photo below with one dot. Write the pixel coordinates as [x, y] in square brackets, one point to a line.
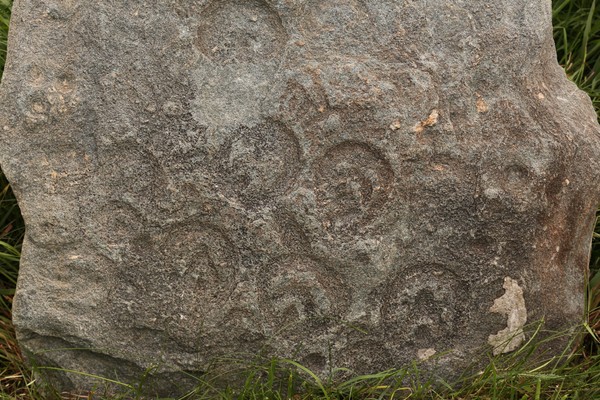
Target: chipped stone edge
[512, 305]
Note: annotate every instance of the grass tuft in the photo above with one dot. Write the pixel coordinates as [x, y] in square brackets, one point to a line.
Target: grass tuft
[528, 373]
[577, 38]
[5, 8]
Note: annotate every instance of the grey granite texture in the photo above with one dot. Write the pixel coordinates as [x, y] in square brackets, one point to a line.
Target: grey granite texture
[204, 178]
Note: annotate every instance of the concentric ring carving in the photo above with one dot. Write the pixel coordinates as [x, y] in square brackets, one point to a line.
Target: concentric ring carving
[298, 288]
[260, 162]
[425, 305]
[246, 31]
[196, 265]
[353, 181]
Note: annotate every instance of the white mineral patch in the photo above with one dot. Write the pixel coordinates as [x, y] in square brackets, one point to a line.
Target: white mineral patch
[511, 304]
[425, 354]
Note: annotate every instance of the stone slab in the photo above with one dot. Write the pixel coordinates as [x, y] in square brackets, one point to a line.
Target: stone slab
[204, 178]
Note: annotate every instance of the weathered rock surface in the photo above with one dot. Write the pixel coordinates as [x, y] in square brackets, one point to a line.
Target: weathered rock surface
[201, 178]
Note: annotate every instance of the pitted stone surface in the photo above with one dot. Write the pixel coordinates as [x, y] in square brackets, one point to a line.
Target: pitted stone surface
[345, 182]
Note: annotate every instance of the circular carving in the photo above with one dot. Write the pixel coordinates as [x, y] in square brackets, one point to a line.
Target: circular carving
[128, 172]
[130, 175]
[353, 181]
[112, 225]
[299, 289]
[203, 254]
[247, 31]
[192, 275]
[199, 269]
[425, 306]
[260, 162]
